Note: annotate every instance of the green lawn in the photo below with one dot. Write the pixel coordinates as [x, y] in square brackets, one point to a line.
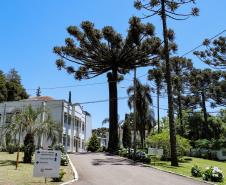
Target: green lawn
[185, 167]
[24, 174]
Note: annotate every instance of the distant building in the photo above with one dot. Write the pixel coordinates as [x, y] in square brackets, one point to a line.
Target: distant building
[75, 122]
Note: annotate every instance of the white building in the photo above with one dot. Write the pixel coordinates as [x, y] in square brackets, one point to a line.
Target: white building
[75, 122]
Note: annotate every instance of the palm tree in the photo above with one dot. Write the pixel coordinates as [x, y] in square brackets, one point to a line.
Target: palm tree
[29, 122]
[145, 116]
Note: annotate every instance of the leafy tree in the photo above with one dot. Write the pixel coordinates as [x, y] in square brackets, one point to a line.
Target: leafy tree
[222, 115]
[93, 144]
[215, 53]
[167, 9]
[126, 138]
[143, 101]
[181, 68]
[100, 132]
[195, 127]
[3, 88]
[161, 140]
[157, 75]
[15, 89]
[95, 52]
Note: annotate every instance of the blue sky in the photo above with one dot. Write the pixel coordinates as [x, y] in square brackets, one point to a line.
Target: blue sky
[30, 29]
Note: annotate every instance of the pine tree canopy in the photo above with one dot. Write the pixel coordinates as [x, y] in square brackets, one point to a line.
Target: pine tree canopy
[171, 6]
[215, 53]
[98, 51]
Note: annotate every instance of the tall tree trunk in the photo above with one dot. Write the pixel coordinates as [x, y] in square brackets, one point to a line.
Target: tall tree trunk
[174, 161]
[180, 114]
[206, 135]
[113, 112]
[142, 133]
[158, 94]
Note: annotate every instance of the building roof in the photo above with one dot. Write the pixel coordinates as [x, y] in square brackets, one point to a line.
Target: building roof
[41, 98]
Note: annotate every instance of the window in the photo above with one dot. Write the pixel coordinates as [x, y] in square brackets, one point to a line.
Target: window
[69, 119]
[83, 127]
[68, 140]
[76, 125]
[8, 117]
[79, 143]
[74, 141]
[65, 118]
[83, 145]
[64, 139]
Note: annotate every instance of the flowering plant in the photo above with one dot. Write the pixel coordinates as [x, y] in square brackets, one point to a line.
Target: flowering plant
[213, 174]
[196, 171]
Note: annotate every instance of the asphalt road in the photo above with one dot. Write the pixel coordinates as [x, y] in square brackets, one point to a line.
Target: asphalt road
[101, 169]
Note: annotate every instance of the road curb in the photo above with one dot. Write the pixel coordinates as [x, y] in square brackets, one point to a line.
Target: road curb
[206, 182]
[75, 173]
[150, 166]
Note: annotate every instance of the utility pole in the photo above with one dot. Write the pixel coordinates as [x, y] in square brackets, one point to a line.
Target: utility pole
[135, 115]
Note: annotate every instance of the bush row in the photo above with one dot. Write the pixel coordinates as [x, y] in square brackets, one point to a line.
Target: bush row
[213, 174]
[140, 156]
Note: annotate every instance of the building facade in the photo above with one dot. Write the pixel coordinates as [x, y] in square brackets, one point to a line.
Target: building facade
[76, 123]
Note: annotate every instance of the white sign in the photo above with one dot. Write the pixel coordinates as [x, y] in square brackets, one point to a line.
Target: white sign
[155, 151]
[47, 163]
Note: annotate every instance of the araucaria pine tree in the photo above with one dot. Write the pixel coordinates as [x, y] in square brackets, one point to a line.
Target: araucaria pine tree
[38, 91]
[181, 68]
[94, 52]
[168, 9]
[201, 82]
[215, 53]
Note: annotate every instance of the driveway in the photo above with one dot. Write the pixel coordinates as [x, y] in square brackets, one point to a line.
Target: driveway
[103, 169]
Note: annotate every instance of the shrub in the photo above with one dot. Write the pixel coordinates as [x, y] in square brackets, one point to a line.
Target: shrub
[213, 174]
[142, 157]
[196, 171]
[93, 144]
[21, 148]
[203, 143]
[64, 160]
[11, 148]
[162, 140]
[3, 149]
[61, 175]
[59, 147]
[123, 152]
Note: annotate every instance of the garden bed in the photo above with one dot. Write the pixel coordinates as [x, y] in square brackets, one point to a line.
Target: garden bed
[184, 167]
[24, 174]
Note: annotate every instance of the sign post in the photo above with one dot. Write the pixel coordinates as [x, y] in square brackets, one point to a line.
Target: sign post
[47, 163]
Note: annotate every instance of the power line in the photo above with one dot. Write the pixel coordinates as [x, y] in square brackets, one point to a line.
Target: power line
[218, 34]
[101, 83]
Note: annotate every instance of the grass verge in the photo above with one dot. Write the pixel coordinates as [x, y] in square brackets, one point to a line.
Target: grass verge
[184, 167]
[24, 174]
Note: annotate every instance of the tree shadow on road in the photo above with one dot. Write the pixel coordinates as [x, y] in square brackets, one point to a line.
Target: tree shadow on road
[112, 161]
